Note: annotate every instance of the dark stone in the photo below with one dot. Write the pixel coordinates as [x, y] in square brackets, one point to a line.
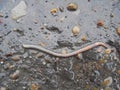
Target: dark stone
[92, 78]
[64, 43]
[61, 9]
[53, 29]
[115, 44]
[20, 31]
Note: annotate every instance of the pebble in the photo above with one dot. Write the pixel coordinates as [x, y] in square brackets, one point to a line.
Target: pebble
[42, 44]
[33, 51]
[1, 21]
[84, 38]
[3, 88]
[19, 10]
[79, 56]
[99, 50]
[62, 42]
[108, 88]
[106, 27]
[25, 55]
[53, 29]
[34, 86]
[64, 51]
[15, 75]
[118, 71]
[24, 66]
[108, 81]
[39, 55]
[8, 54]
[76, 30]
[62, 19]
[112, 15]
[72, 7]
[118, 86]
[95, 88]
[15, 29]
[2, 75]
[15, 57]
[107, 51]
[100, 23]
[87, 87]
[44, 63]
[101, 61]
[2, 61]
[42, 27]
[118, 30]
[53, 11]
[35, 21]
[61, 9]
[11, 66]
[30, 56]
[1, 14]
[97, 72]
[7, 66]
[1, 35]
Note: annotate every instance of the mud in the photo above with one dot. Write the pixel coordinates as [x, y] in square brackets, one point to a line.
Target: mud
[86, 71]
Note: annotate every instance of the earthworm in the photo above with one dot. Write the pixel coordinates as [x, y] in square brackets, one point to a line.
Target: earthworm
[68, 54]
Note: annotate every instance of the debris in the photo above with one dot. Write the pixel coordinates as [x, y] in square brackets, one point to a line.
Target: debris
[19, 10]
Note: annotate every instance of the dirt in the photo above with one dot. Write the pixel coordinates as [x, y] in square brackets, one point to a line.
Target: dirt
[53, 31]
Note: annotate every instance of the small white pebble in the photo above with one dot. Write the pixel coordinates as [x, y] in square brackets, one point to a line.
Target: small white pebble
[109, 81]
[76, 30]
[19, 10]
[44, 62]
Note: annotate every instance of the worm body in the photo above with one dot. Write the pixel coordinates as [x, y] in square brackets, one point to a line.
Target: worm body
[68, 54]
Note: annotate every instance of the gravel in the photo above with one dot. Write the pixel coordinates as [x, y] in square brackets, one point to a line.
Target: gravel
[49, 23]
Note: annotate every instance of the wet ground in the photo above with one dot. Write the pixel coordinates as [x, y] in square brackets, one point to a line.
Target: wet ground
[29, 69]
